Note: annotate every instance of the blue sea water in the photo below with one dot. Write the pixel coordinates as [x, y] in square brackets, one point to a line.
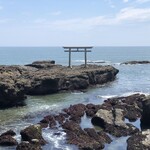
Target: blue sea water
[131, 79]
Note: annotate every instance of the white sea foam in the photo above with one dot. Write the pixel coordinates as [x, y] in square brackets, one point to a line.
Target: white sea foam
[56, 138]
[131, 93]
[77, 92]
[92, 61]
[117, 64]
[106, 96]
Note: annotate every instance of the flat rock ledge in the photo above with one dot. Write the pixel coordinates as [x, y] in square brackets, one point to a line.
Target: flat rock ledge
[136, 62]
[44, 77]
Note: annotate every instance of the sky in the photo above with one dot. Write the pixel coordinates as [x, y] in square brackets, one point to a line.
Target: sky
[74, 22]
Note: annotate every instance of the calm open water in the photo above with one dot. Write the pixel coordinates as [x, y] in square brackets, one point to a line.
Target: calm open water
[131, 79]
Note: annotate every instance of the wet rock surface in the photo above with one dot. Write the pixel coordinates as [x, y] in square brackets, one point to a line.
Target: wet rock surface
[136, 62]
[85, 139]
[145, 120]
[110, 117]
[9, 132]
[7, 140]
[44, 77]
[139, 141]
[28, 146]
[31, 133]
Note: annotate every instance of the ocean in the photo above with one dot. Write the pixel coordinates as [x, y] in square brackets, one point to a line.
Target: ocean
[131, 79]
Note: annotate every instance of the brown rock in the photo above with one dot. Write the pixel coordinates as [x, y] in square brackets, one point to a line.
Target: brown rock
[9, 132]
[7, 140]
[32, 132]
[28, 146]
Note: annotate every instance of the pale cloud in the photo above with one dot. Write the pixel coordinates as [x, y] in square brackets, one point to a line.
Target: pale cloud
[56, 13]
[125, 1]
[26, 13]
[134, 14]
[6, 20]
[126, 15]
[1, 7]
[40, 21]
[142, 1]
[111, 4]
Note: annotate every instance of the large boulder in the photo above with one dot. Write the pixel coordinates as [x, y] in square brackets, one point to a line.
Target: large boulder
[9, 132]
[112, 121]
[7, 140]
[33, 132]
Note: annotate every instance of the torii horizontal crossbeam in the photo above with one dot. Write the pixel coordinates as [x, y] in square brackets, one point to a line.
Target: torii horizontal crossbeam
[84, 49]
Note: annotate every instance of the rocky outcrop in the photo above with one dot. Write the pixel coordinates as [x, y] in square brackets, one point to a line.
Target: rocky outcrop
[32, 133]
[45, 77]
[85, 139]
[112, 121]
[145, 119]
[135, 62]
[139, 141]
[113, 111]
[110, 117]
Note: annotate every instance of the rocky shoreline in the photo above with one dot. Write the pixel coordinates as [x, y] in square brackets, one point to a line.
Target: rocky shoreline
[44, 77]
[109, 117]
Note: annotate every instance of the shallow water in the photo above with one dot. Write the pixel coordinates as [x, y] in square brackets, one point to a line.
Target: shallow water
[131, 79]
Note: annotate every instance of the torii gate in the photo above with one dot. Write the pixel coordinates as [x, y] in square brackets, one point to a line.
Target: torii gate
[84, 49]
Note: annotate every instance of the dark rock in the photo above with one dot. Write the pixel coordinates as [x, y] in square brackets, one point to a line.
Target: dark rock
[145, 120]
[92, 109]
[104, 137]
[101, 136]
[32, 132]
[76, 112]
[72, 126]
[42, 64]
[79, 137]
[7, 140]
[28, 146]
[60, 118]
[9, 132]
[132, 113]
[135, 62]
[119, 131]
[49, 120]
[139, 141]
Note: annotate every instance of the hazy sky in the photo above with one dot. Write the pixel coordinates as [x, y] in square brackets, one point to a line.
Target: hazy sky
[74, 22]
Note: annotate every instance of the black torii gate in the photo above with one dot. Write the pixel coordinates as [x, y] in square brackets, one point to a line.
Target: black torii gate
[84, 49]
